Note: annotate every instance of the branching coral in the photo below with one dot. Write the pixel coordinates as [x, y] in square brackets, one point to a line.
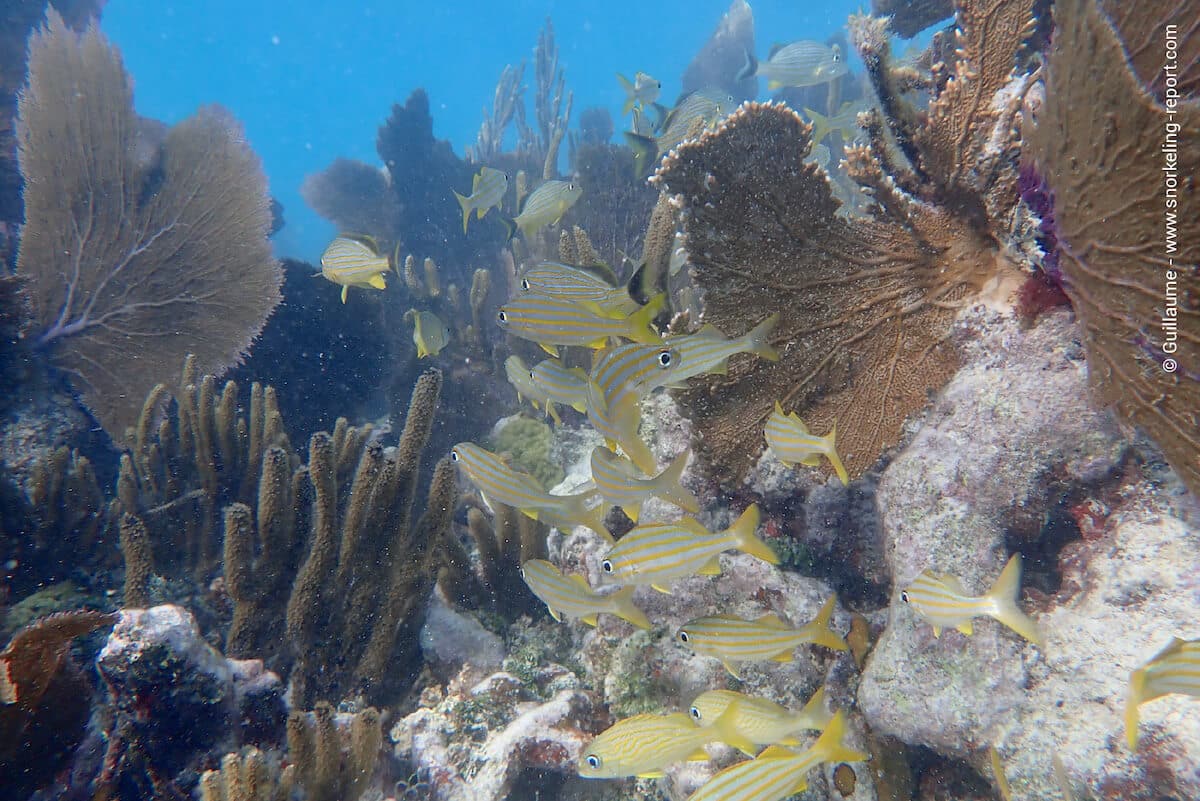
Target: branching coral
[866, 308]
[502, 545]
[1121, 167]
[131, 265]
[355, 197]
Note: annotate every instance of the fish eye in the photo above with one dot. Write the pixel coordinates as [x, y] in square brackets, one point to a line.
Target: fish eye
[502, 316]
[695, 712]
[593, 761]
[531, 378]
[904, 596]
[606, 566]
[571, 186]
[683, 637]
[664, 358]
[525, 284]
[454, 456]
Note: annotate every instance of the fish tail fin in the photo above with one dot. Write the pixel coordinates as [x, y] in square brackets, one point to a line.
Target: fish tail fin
[465, 202]
[624, 608]
[815, 713]
[593, 518]
[831, 453]
[1005, 594]
[639, 329]
[669, 488]
[636, 287]
[630, 94]
[1137, 696]
[747, 540]
[821, 126]
[820, 630]
[831, 745]
[749, 67]
[643, 148]
[756, 339]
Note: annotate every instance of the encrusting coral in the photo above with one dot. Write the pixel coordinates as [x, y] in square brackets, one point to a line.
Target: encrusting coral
[866, 308]
[150, 258]
[1120, 166]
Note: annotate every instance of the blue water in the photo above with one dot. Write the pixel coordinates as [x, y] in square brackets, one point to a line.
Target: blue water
[312, 81]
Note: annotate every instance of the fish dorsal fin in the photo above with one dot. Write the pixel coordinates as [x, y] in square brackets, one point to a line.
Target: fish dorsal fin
[581, 581]
[776, 752]
[772, 620]
[775, 48]
[365, 240]
[954, 583]
[797, 422]
[710, 331]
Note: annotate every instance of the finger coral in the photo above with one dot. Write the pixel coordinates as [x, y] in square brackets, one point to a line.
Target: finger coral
[130, 264]
[1121, 167]
[866, 308]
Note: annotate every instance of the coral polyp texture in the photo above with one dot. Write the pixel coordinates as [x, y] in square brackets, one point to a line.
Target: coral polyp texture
[130, 263]
[866, 308]
[1128, 223]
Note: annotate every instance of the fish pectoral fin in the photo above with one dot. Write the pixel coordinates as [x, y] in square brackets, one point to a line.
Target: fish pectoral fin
[711, 568]
[663, 590]
[551, 349]
[937, 631]
[554, 614]
[966, 628]
[589, 619]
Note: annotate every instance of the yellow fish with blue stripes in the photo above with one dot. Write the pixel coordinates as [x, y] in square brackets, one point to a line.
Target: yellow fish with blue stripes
[580, 286]
[553, 321]
[546, 205]
[619, 425]
[1174, 669]
[658, 553]
[355, 261]
[487, 190]
[620, 483]
[430, 334]
[761, 720]
[734, 640]
[571, 596]
[645, 744]
[708, 350]
[517, 372]
[500, 483]
[792, 443]
[620, 378]
[560, 384]
[779, 772]
[941, 599]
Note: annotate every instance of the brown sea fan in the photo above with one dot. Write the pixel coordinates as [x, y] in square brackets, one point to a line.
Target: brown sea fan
[131, 263]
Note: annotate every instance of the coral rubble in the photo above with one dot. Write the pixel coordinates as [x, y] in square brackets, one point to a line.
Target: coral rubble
[1121, 167]
[149, 260]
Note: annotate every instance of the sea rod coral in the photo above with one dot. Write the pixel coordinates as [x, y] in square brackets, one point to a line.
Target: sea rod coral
[129, 264]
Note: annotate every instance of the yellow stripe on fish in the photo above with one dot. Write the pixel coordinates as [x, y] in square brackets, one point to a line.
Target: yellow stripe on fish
[804, 63]
[619, 425]
[500, 483]
[355, 261]
[572, 597]
[792, 443]
[547, 204]
[1174, 669]
[553, 321]
[658, 553]
[579, 286]
[779, 772]
[734, 640]
[518, 374]
[708, 350]
[635, 369]
[645, 744]
[487, 190]
[561, 384]
[942, 601]
[760, 720]
[619, 483]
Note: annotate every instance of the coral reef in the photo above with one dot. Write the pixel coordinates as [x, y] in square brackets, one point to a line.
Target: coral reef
[492, 581]
[722, 57]
[148, 261]
[527, 443]
[44, 699]
[355, 197]
[866, 307]
[1110, 151]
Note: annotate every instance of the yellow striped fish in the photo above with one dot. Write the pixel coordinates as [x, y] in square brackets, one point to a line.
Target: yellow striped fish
[619, 483]
[579, 286]
[430, 334]
[760, 720]
[645, 744]
[560, 384]
[693, 115]
[487, 190]
[789, 439]
[620, 378]
[734, 640]
[553, 321]
[804, 63]
[1174, 669]
[619, 426]
[518, 375]
[708, 350]
[941, 599]
[658, 553]
[353, 260]
[500, 483]
[572, 598]
[779, 772]
[546, 204]
[641, 91]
